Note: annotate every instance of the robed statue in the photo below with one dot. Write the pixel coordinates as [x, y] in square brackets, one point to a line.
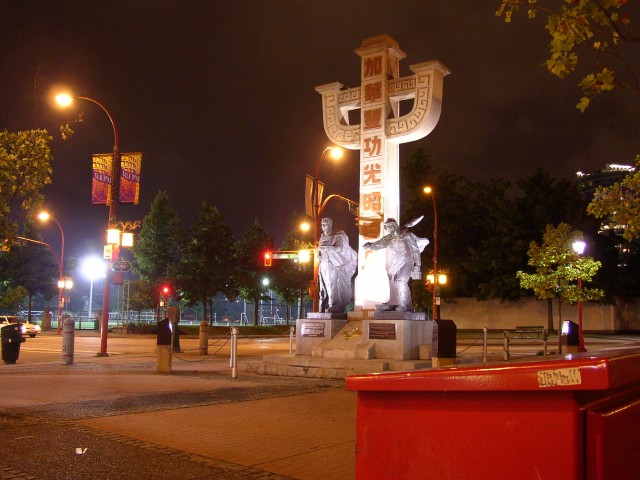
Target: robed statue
[337, 265]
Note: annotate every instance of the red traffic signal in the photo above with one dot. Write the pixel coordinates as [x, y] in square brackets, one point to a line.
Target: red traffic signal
[268, 257]
[166, 290]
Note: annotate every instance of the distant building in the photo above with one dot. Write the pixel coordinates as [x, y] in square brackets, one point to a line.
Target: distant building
[610, 174]
[589, 182]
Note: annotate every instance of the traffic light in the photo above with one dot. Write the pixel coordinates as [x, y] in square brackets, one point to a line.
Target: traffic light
[268, 257]
[165, 291]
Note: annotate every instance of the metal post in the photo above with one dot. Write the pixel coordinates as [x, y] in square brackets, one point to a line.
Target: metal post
[234, 353]
[484, 344]
[68, 336]
[506, 345]
[204, 338]
[292, 330]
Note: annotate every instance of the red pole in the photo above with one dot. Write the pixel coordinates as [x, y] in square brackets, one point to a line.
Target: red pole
[114, 181]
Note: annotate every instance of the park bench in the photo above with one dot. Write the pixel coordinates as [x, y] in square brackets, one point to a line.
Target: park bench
[529, 331]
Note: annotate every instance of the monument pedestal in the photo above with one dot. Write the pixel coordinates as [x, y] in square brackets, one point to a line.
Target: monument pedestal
[365, 336]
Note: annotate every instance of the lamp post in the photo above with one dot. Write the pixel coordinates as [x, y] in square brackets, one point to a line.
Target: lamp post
[45, 216]
[436, 299]
[65, 100]
[93, 268]
[336, 153]
[578, 247]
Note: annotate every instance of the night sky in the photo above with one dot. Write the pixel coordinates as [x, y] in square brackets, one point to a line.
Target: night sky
[219, 96]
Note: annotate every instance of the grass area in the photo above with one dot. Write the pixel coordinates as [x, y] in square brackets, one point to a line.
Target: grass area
[245, 330]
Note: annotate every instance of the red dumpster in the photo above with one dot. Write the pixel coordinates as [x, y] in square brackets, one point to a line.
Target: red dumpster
[574, 417]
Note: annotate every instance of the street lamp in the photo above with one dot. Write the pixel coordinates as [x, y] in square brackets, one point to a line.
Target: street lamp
[93, 268]
[65, 100]
[44, 217]
[335, 153]
[436, 299]
[578, 247]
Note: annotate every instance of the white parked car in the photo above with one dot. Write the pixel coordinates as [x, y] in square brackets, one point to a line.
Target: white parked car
[26, 327]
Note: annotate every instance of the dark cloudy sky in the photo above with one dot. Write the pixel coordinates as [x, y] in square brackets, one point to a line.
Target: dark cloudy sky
[219, 96]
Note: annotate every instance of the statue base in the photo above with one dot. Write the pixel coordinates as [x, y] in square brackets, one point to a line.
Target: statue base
[366, 335]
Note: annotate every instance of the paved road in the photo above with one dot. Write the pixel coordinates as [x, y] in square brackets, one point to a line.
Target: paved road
[116, 418]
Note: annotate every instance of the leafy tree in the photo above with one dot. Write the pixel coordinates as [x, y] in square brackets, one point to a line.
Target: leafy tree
[619, 204]
[500, 245]
[455, 221]
[12, 297]
[558, 268]
[30, 266]
[292, 277]
[208, 263]
[25, 168]
[594, 34]
[156, 248]
[142, 295]
[251, 269]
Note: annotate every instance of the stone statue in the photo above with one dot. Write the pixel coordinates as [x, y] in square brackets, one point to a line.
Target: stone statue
[403, 261]
[337, 264]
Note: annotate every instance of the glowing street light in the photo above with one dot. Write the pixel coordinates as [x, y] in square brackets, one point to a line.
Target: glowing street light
[93, 268]
[65, 100]
[436, 299]
[44, 217]
[578, 247]
[335, 153]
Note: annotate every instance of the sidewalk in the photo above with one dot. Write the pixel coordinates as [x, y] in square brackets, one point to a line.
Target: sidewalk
[250, 427]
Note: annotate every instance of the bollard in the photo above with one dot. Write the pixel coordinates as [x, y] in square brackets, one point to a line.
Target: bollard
[164, 346]
[68, 337]
[292, 330]
[484, 344]
[234, 353]
[204, 338]
[506, 345]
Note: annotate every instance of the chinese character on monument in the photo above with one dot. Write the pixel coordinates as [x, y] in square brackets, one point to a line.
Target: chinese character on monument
[378, 137]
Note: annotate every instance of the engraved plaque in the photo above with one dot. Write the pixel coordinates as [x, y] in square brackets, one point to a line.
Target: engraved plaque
[382, 331]
[313, 329]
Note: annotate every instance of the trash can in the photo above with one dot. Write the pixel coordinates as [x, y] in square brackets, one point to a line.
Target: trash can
[572, 417]
[11, 337]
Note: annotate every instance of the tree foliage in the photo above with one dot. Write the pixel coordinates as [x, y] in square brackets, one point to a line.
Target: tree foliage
[251, 270]
[208, 260]
[594, 34]
[25, 168]
[30, 268]
[558, 268]
[619, 205]
[156, 247]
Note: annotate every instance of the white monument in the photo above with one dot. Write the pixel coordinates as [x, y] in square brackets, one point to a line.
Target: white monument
[381, 130]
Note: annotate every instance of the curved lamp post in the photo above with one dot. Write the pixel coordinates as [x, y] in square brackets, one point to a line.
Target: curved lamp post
[45, 216]
[335, 153]
[436, 300]
[65, 100]
[578, 247]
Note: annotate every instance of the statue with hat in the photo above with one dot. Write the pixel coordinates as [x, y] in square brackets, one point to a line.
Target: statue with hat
[402, 261]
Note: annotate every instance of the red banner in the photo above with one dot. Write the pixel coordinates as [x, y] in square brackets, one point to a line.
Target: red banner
[130, 166]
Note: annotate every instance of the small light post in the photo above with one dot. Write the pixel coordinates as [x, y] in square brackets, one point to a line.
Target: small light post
[436, 299]
[578, 247]
[44, 217]
[93, 268]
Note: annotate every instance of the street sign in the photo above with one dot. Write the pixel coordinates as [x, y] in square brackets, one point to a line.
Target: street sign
[121, 266]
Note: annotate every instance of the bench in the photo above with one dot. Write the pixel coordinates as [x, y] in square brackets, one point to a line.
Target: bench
[529, 331]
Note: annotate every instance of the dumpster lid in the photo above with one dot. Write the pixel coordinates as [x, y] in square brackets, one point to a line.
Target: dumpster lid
[600, 371]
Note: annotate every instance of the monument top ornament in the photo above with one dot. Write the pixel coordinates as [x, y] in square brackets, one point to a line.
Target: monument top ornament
[381, 130]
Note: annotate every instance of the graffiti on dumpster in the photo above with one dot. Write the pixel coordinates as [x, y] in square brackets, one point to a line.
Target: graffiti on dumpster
[559, 378]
